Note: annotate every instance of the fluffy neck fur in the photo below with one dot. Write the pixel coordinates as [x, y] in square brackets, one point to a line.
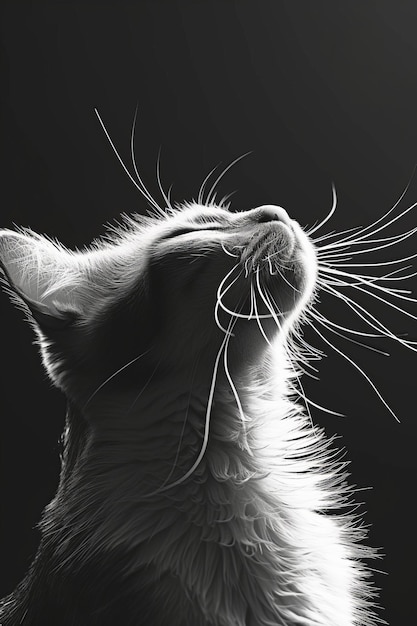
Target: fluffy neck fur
[242, 542]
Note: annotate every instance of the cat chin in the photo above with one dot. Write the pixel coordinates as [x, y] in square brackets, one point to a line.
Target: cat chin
[281, 261]
[307, 259]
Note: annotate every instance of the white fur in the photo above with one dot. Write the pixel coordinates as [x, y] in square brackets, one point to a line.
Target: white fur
[250, 536]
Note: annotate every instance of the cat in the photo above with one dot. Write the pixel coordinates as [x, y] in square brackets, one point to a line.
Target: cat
[195, 490]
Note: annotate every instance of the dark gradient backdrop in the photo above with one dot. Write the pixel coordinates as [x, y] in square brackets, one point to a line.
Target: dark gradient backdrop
[319, 91]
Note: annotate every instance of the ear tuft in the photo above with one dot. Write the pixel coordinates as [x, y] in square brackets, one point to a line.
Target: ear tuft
[42, 274]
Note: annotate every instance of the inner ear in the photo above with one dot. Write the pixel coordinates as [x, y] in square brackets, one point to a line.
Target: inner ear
[44, 275]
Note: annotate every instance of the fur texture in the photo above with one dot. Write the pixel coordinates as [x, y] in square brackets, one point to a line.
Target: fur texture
[194, 489]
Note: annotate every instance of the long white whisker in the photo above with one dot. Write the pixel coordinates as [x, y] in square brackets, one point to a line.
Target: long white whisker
[252, 311]
[229, 378]
[169, 196]
[394, 239]
[380, 263]
[177, 453]
[200, 197]
[273, 307]
[288, 283]
[158, 178]
[383, 217]
[368, 278]
[242, 415]
[224, 201]
[218, 179]
[366, 282]
[360, 333]
[363, 237]
[361, 312]
[359, 369]
[318, 406]
[268, 303]
[221, 293]
[143, 190]
[145, 386]
[334, 233]
[113, 375]
[402, 237]
[235, 256]
[329, 325]
[204, 445]
[300, 391]
[313, 352]
[328, 216]
[387, 302]
[257, 316]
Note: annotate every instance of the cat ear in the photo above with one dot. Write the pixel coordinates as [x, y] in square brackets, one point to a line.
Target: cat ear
[42, 274]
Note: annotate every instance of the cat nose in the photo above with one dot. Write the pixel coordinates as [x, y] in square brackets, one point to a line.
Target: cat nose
[271, 213]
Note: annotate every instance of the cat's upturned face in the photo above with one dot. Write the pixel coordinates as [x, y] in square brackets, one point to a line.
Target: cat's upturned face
[208, 259]
[168, 288]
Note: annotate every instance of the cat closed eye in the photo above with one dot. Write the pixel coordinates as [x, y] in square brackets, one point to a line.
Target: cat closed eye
[186, 231]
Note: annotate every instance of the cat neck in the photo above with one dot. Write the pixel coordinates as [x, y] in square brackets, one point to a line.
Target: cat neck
[162, 434]
[218, 516]
[221, 515]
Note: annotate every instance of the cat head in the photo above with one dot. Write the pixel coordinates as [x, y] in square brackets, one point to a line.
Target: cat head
[161, 292]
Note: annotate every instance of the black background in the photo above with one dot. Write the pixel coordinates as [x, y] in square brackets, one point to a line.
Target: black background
[319, 91]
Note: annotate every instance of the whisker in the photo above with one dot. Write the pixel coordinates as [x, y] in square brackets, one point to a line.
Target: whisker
[390, 276]
[200, 197]
[145, 193]
[374, 285]
[252, 302]
[158, 178]
[328, 216]
[378, 264]
[390, 243]
[204, 445]
[113, 375]
[145, 386]
[169, 197]
[364, 236]
[223, 202]
[233, 320]
[312, 351]
[221, 293]
[288, 283]
[360, 333]
[273, 310]
[383, 217]
[328, 326]
[361, 312]
[235, 256]
[291, 360]
[387, 302]
[359, 369]
[257, 316]
[177, 453]
[218, 179]
[334, 233]
[335, 245]
[242, 415]
[319, 406]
